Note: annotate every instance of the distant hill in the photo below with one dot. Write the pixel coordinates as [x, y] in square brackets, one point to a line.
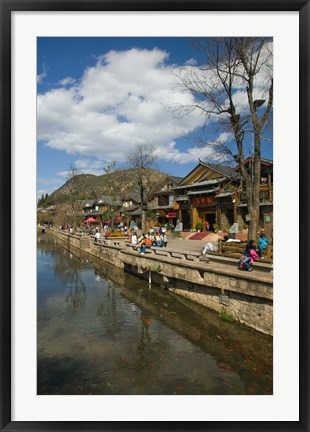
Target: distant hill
[92, 186]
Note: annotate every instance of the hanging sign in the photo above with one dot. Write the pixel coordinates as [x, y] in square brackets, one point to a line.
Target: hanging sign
[201, 201]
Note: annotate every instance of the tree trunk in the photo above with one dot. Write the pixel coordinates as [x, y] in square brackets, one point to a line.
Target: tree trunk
[254, 224]
[143, 221]
[254, 209]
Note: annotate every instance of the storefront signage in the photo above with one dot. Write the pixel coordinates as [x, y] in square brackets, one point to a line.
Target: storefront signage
[171, 215]
[202, 201]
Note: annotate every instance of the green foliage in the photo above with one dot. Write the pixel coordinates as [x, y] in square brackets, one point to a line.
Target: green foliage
[156, 269]
[45, 201]
[176, 234]
[199, 226]
[229, 187]
[150, 215]
[223, 314]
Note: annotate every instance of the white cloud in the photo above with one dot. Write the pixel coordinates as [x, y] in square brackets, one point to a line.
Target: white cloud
[191, 62]
[172, 154]
[87, 166]
[122, 101]
[67, 81]
[119, 102]
[43, 74]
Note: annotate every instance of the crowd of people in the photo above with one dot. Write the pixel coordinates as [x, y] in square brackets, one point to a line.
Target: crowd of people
[155, 237]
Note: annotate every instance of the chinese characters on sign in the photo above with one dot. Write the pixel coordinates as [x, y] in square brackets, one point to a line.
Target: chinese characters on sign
[198, 201]
[171, 215]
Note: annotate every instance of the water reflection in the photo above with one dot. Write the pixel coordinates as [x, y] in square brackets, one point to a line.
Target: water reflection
[101, 331]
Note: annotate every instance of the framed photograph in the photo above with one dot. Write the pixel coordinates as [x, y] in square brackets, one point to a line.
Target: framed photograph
[86, 88]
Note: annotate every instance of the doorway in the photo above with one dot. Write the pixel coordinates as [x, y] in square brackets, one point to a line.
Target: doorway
[210, 217]
[186, 220]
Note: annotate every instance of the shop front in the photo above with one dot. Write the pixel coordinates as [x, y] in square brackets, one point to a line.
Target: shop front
[204, 211]
[185, 215]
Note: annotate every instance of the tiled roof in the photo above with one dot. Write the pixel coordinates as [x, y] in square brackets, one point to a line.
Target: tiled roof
[205, 191]
[203, 183]
[176, 179]
[225, 170]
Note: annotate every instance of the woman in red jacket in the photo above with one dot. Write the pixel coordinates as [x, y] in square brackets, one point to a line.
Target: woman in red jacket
[250, 255]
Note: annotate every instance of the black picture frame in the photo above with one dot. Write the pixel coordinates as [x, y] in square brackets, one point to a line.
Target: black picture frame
[7, 7]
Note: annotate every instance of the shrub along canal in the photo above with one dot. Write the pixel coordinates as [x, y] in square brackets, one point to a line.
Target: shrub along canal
[102, 331]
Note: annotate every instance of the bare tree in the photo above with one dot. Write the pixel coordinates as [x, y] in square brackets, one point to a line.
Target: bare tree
[142, 160]
[74, 191]
[113, 190]
[234, 91]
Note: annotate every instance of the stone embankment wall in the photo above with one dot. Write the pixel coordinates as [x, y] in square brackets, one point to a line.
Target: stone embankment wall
[247, 297]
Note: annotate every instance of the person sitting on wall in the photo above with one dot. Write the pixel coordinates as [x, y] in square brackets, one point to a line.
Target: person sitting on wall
[157, 240]
[249, 256]
[262, 245]
[134, 239]
[163, 240]
[144, 244]
[152, 237]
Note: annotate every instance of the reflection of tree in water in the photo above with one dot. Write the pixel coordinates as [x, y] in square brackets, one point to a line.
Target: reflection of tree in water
[77, 294]
[145, 347]
[67, 267]
[46, 245]
[108, 312]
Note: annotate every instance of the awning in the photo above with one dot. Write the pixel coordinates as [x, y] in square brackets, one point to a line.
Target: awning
[260, 204]
[91, 219]
[160, 213]
[205, 192]
[181, 198]
[96, 213]
[225, 194]
[137, 212]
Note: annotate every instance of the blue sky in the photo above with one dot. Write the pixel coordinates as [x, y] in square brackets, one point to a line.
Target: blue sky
[100, 97]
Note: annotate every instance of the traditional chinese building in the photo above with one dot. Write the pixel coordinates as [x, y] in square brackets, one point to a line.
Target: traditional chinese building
[201, 197]
[162, 203]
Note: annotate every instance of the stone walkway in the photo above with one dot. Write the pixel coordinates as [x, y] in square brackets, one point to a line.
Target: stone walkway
[197, 245]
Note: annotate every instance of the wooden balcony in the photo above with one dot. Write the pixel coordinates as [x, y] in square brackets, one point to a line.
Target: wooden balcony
[265, 195]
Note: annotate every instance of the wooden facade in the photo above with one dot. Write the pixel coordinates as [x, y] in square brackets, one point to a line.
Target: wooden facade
[210, 193]
[196, 195]
[215, 194]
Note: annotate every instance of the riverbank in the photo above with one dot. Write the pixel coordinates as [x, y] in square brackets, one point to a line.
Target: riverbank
[102, 331]
[246, 297]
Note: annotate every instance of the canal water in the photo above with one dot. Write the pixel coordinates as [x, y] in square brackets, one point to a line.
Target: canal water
[101, 331]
